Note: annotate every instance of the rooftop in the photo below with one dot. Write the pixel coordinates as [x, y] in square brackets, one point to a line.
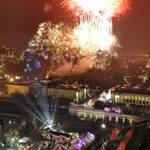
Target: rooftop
[132, 88]
[60, 84]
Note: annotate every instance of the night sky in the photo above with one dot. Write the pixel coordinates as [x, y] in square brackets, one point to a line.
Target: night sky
[19, 20]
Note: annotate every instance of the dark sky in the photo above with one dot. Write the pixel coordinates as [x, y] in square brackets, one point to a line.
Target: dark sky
[19, 20]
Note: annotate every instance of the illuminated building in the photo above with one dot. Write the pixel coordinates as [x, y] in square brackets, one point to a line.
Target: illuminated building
[74, 92]
[135, 95]
[17, 88]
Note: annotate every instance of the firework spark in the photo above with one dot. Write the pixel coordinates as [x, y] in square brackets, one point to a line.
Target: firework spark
[109, 7]
[94, 29]
[95, 35]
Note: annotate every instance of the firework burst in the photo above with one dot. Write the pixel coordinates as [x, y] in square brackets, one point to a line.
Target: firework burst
[111, 7]
[94, 30]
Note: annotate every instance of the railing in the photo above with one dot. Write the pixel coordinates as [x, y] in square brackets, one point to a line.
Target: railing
[88, 111]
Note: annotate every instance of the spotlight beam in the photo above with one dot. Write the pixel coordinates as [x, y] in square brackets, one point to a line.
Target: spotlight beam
[26, 109]
[55, 108]
[43, 104]
[34, 108]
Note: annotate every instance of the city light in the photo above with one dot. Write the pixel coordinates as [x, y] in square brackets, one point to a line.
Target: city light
[11, 79]
[17, 77]
[23, 140]
[49, 124]
[6, 75]
[103, 125]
